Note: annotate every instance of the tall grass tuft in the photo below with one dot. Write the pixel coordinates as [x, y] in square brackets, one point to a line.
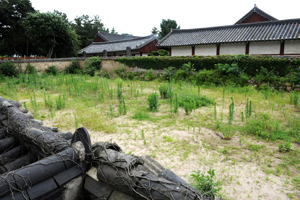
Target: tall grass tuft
[231, 111]
[294, 98]
[248, 110]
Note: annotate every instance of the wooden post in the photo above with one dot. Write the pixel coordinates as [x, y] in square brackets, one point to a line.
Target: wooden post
[193, 50]
[218, 49]
[247, 48]
[282, 48]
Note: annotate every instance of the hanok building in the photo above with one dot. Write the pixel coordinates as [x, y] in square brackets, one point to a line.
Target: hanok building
[255, 33]
[107, 44]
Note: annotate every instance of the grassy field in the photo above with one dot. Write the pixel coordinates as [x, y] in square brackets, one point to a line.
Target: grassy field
[249, 137]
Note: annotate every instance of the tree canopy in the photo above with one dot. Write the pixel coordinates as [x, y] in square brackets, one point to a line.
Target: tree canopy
[87, 28]
[166, 26]
[13, 41]
[50, 32]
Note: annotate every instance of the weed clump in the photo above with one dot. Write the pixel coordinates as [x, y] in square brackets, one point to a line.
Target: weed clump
[153, 102]
[206, 184]
[193, 101]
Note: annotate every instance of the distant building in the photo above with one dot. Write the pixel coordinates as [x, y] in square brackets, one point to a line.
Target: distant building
[255, 33]
[107, 44]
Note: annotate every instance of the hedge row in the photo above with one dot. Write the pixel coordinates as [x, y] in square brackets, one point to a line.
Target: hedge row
[250, 65]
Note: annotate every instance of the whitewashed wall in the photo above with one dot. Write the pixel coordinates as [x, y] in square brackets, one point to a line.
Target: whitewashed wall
[145, 54]
[206, 50]
[181, 51]
[292, 47]
[232, 49]
[264, 48]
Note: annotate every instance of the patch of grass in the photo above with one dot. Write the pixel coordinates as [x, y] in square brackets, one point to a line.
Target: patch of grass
[141, 116]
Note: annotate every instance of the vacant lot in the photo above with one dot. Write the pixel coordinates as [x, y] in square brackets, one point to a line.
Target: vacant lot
[249, 137]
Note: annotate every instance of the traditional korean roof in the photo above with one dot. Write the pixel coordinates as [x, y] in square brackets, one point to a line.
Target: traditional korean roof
[117, 46]
[110, 37]
[239, 33]
[257, 11]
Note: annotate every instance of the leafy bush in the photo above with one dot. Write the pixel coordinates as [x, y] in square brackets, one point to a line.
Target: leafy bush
[169, 72]
[205, 184]
[30, 69]
[8, 69]
[161, 52]
[149, 75]
[52, 70]
[225, 69]
[188, 68]
[189, 102]
[121, 72]
[91, 65]
[153, 102]
[163, 90]
[74, 68]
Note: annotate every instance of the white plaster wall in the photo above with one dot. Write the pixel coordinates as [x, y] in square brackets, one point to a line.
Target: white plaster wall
[292, 47]
[145, 54]
[264, 48]
[181, 51]
[206, 50]
[232, 49]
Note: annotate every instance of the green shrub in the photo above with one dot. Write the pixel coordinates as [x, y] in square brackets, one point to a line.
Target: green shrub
[91, 65]
[198, 100]
[149, 75]
[153, 102]
[8, 69]
[163, 91]
[169, 72]
[141, 116]
[122, 72]
[30, 69]
[205, 184]
[52, 70]
[74, 68]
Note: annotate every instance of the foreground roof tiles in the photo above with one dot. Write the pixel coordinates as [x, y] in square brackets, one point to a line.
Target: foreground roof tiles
[117, 46]
[238, 33]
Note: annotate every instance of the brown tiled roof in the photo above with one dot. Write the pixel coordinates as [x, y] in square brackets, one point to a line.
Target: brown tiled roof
[249, 32]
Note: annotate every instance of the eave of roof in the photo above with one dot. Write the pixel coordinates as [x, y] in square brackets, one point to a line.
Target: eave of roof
[259, 31]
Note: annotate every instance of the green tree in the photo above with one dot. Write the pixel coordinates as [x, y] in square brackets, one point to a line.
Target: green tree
[154, 31]
[53, 32]
[166, 26]
[13, 41]
[88, 28]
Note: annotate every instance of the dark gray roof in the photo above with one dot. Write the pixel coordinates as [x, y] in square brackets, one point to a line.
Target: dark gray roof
[110, 37]
[260, 31]
[117, 46]
[258, 11]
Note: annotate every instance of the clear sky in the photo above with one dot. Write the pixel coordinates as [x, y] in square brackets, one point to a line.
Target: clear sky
[138, 17]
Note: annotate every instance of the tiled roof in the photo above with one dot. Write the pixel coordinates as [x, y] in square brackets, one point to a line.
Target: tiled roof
[250, 32]
[99, 47]
[258, 11]
[110, 37]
